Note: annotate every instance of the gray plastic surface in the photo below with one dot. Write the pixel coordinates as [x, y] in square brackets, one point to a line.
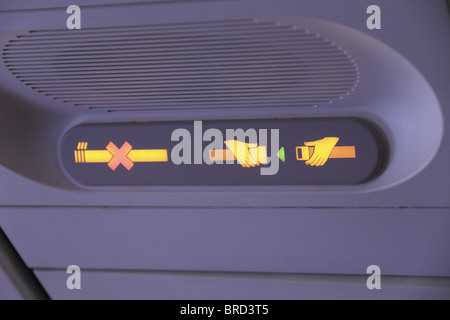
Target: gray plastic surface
[391, 93]
[327, 241]
[204, 286]
[404, 164]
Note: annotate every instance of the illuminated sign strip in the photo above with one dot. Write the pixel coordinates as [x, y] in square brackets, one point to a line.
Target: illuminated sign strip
[325, 151]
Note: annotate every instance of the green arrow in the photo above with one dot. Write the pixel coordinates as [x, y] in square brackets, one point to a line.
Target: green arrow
[281, 155]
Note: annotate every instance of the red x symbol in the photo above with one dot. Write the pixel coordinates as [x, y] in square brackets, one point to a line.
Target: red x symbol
[119, 156]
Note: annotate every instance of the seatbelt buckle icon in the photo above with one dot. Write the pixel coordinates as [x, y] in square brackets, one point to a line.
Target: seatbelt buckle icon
[317, 153]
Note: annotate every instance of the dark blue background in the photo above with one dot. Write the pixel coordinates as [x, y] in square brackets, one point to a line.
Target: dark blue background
[370, 150]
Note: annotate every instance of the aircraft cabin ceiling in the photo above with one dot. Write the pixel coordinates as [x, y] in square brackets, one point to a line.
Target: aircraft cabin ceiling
[222, 149]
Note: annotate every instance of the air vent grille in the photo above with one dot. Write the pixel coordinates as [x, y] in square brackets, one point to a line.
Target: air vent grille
[201, 65]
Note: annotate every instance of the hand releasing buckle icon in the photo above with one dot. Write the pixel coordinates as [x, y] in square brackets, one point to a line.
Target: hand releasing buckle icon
[247, 154]
[316, 153]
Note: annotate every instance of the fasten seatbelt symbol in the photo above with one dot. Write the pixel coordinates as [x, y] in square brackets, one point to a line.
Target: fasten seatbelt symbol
[317, 153]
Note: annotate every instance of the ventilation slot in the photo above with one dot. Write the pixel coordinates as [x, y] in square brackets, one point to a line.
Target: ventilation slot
[203, 65]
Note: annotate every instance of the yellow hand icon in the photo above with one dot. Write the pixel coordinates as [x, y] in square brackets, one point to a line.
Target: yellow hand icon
[322, 150]
[245, 153]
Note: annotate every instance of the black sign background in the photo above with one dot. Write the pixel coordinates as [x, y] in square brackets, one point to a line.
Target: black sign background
[370, 154]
